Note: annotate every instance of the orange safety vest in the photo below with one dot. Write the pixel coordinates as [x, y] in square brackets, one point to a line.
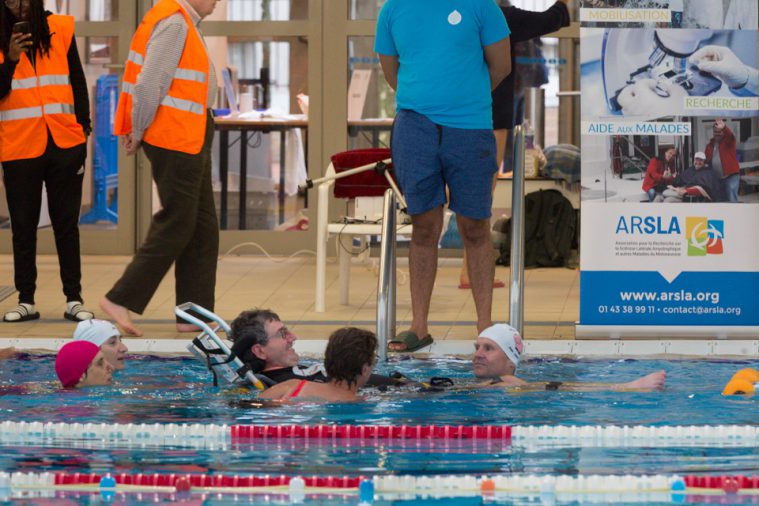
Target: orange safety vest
[180, 121]
[41, 98]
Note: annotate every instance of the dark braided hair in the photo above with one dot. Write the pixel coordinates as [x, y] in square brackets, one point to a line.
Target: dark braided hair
[37, 24]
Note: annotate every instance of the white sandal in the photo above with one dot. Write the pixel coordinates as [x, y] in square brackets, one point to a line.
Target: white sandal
[21, 313]
[76, 312]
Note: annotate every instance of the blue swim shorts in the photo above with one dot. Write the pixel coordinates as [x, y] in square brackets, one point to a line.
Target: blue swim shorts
[427, 157]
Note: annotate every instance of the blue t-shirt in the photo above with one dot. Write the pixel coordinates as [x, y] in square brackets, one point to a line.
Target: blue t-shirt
[439, 44]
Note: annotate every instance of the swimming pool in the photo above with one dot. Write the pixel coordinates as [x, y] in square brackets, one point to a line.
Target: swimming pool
[178, 390]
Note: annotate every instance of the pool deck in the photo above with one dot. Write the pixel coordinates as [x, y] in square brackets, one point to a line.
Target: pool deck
[287, 287]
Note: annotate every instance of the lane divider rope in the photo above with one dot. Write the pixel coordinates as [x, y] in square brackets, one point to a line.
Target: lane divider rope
[442, 486]
[213, 435]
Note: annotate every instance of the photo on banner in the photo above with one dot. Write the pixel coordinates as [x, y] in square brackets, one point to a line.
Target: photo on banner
[650, 73]
[673, 160]
[714, 14]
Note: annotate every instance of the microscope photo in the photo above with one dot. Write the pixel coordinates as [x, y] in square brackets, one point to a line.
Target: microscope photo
[650, 73]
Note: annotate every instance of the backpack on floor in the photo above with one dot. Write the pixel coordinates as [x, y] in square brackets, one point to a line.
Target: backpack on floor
[549, 230]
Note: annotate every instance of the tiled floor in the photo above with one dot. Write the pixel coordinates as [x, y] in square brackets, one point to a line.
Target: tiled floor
[287, 287]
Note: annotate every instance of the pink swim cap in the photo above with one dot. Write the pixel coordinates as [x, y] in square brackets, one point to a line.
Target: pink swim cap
[72, 361]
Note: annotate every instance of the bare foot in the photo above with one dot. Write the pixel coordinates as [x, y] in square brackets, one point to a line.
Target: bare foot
[188, 327]
[654, 381]
[120, 315]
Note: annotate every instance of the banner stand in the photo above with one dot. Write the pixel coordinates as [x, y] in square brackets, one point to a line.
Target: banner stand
[660, 331]
[670, 170]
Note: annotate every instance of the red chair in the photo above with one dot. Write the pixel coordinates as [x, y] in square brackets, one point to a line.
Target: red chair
[370, 182]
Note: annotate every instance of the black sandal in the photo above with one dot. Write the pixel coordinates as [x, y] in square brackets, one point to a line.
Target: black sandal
[24, 311]
[78, 313]
[410, 341]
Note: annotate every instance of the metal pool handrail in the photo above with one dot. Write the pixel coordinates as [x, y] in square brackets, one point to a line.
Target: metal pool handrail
[516, 290]
[182, 312]
[386, 281]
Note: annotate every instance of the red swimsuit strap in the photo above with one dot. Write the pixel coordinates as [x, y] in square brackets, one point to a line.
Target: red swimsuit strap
[298, 388]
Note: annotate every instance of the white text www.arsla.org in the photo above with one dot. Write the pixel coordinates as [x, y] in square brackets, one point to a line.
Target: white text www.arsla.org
[678, 296]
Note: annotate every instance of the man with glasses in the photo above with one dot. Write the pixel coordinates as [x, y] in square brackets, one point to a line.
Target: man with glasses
[265, 344]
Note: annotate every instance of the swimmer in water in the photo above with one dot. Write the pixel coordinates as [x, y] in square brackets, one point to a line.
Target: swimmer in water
[265, 344]
[498, 350]
[82, 364]
[349, 360]
[107, 337]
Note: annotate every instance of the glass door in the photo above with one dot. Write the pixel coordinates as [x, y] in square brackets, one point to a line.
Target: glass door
[363, 120]
[107, 219]
[289, 65]
[267, 54]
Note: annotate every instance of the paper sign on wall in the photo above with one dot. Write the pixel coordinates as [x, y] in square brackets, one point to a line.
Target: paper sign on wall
[357, 90]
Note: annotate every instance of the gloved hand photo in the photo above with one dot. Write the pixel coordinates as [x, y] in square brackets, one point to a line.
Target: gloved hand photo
[722, 63]
[641, 99]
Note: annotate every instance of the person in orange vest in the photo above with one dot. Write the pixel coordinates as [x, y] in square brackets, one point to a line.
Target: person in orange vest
[44, 124]
[169, 86]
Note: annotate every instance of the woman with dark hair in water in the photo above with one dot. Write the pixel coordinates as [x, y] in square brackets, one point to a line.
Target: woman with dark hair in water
[349, 360]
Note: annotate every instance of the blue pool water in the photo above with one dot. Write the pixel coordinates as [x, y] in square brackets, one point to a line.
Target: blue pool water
[178, 390]
[157, 390]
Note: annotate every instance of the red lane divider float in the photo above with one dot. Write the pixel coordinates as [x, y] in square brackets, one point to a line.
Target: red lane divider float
[186, 481]
[256, 432]
[726, 483]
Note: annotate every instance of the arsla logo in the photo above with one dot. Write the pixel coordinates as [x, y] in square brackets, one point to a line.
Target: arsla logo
[704, 236]
[647, 225]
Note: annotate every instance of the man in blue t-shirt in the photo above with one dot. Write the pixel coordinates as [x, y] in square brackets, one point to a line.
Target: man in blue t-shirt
[443, 58]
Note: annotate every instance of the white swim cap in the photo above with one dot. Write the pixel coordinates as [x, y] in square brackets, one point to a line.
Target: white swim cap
[507, 338]
[95, 331]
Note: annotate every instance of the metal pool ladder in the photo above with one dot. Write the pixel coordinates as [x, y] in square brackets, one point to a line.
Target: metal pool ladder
[516, 284]
[386, 284]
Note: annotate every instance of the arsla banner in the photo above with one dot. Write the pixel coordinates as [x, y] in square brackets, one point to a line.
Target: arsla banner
[702, 268]
[670, 167]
